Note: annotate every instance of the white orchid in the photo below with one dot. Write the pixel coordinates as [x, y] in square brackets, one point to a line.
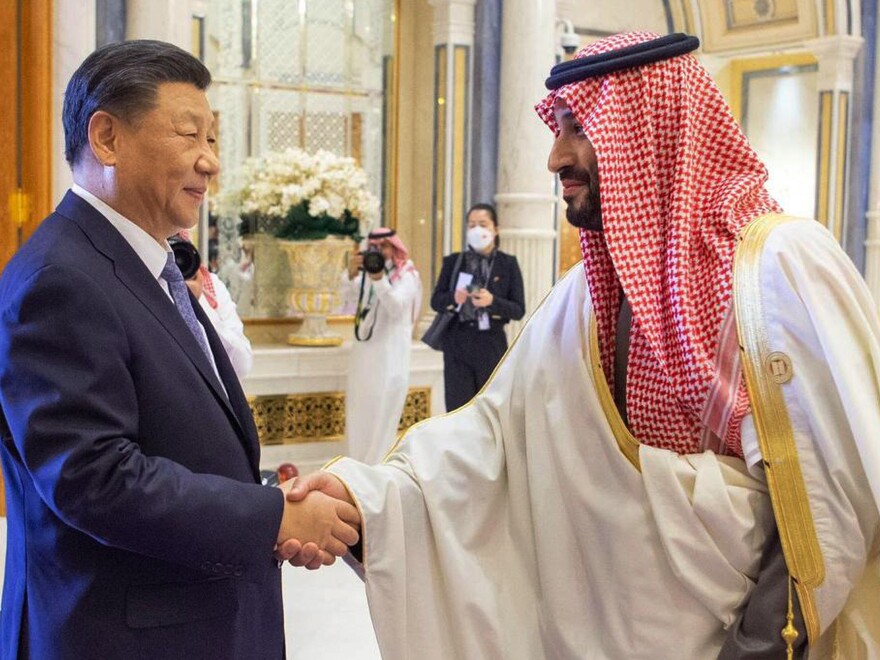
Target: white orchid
[272, 184]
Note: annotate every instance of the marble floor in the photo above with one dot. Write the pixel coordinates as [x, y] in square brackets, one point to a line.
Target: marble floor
[326, 612]
[326, 615]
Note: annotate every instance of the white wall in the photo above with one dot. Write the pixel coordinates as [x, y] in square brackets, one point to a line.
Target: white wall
[782, 120]
[74, 38]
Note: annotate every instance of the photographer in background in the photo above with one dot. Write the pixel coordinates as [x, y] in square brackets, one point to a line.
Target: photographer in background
[488, 293]
[388, 291]
[214, 298]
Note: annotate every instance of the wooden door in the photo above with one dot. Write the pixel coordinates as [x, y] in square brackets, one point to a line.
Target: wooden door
[25, 125]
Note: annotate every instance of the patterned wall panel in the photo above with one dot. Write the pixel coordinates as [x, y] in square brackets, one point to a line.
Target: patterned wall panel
[327, 130]
[278, 47]
[416, 408]
[276, 119]
[283, 129]
[320, 417]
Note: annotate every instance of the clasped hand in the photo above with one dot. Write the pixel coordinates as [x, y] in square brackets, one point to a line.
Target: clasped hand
[319, 523]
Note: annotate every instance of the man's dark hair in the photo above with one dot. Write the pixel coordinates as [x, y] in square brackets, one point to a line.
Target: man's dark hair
[485, 207]
[123, 79]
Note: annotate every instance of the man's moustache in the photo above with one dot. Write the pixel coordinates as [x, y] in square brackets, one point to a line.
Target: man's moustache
[574, 174]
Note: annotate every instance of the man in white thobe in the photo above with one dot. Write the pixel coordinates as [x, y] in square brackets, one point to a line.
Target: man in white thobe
[679, 456]
[387, 306]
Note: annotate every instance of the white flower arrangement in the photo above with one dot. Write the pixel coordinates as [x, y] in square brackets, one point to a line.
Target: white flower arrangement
[307, 195]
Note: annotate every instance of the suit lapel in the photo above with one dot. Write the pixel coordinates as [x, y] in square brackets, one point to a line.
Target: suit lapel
[133, 274]
[242, 413]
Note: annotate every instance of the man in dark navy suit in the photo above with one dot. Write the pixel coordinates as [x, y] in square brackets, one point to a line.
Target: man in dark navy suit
[137, 526]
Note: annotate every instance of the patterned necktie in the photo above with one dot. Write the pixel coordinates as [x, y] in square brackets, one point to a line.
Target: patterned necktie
[180, 294]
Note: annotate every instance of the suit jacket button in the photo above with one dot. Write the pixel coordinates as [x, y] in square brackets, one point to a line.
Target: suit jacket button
[218, 568]
[238, 572]
[206, 566]
[227, 570]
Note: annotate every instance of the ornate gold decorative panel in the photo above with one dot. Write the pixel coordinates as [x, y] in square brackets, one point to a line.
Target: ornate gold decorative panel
[416, 408]
[286, 419]
[729, 25]
[742, 14]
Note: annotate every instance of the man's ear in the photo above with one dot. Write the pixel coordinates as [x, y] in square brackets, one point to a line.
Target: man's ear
[104, 137]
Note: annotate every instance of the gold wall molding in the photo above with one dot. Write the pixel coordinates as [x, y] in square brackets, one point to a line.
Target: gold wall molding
[274, 331]
[770, 65]
[290, 419]
[837, 221]
[682, 16]
[440, 138]
[832, 157]
[731, 25]
[823, 174]
[26, 153]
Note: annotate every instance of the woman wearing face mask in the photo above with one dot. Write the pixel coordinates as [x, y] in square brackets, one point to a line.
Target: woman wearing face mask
[487, 291]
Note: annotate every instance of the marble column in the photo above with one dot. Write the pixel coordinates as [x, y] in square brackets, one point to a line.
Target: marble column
[836, 56]
[487, 62]
[872, 243]
[526, 196]
[74, 38]
[453, 54]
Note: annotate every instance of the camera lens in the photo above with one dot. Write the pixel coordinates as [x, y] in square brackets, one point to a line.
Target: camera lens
[185, 256]
[374, 262]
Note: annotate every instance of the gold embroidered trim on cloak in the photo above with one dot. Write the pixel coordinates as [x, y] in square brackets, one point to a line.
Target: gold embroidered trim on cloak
[627, 442]
[764, 378]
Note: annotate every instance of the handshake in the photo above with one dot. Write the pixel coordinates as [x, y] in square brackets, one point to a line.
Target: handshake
[319, 523]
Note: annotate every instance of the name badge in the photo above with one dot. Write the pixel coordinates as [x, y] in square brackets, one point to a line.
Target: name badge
[483, 322]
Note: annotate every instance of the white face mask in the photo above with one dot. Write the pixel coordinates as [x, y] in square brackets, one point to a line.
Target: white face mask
[479, 238]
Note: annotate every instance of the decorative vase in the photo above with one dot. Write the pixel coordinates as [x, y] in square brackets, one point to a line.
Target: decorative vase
[315, 269]
[271, 277]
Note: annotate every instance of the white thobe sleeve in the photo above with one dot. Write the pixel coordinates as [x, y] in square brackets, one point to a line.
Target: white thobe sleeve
[398, 298]
[229, 328]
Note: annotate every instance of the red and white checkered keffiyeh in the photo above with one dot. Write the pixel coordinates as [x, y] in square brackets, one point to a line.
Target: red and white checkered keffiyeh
[399, 253]
[402, 263]
[678, 181]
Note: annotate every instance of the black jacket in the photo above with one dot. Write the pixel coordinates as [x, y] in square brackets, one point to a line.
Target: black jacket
[505, 285]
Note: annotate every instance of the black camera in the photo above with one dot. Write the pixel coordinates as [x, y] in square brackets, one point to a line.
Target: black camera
[185, 256]
[374, 262]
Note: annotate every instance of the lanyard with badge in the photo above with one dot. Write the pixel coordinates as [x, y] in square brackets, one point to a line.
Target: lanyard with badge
[483, 322]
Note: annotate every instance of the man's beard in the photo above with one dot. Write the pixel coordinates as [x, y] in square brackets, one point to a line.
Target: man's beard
[587, 215]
